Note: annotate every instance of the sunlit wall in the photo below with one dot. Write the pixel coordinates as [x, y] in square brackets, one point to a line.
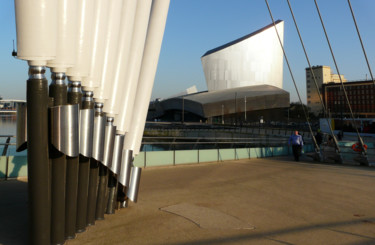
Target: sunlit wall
[255, 59]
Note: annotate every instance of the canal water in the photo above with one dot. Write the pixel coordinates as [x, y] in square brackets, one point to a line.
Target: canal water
[8, 126]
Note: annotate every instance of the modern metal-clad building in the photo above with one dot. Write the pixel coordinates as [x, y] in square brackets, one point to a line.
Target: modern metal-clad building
[244, 80]
[254, 59]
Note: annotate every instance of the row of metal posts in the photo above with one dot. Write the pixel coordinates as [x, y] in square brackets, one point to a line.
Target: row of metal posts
[76, 163]
[65, 194]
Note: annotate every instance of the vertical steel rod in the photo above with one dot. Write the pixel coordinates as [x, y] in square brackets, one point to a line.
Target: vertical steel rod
[83, 175]
[92, 191]
[94, 178]
[112, 195]
[72, 166]
[101, 201]
[58, 91]
[39, 199]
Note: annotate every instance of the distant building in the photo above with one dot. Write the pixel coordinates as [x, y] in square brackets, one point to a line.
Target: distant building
[9, 106]
[361, 95]
[229, 106]
[323, 75]
[244, 79]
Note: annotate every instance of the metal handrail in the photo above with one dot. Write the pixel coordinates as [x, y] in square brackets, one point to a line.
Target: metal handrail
[186, 143]
[7, 143]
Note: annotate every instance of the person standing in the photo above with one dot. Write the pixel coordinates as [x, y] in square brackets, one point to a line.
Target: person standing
[319, 137]
[296, 141]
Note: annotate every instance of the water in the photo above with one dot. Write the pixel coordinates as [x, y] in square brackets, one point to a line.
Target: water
[8, 126]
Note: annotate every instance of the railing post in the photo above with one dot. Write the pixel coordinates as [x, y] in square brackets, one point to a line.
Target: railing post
[174, 155]
[198, 155]
[6, 146]
[6, 167]
[145, 158]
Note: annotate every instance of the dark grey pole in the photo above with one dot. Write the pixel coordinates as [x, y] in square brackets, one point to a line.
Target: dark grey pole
[101, 200]
[83, 175]
[121, 196]
[72, 166]
[112, 194]
[92, 192]
[39, 195]
[58, 91]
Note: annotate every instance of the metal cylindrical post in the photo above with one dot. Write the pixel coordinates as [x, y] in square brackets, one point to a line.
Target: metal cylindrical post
[132, 191]
[101, 201]
[37, 157]
[58, 91]
[112, 194]
[72, 166]
[93, 179]
[83, 175]
[92, 191]
[121, 195]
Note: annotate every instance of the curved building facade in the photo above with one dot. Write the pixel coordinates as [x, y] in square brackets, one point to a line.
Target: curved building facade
[244, 80]
[229, 105]
[254, 59]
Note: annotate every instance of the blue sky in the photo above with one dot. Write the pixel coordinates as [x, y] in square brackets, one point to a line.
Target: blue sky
[195, 26]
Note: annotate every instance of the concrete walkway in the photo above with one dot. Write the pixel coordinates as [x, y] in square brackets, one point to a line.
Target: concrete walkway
[256, 201]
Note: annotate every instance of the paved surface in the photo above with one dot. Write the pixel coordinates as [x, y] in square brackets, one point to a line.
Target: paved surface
[286, 202]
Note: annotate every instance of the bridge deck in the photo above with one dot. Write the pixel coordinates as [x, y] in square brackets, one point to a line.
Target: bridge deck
[253, 201]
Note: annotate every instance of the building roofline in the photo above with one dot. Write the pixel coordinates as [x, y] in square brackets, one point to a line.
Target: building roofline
[317, 66]
[348, 83]
[240, 39]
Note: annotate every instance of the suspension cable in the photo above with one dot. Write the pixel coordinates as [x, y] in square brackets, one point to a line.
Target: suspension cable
[360, 39]
[291, 74]
[342, 84]
[314, 78]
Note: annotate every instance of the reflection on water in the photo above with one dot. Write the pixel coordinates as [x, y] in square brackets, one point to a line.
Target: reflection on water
[8, 124]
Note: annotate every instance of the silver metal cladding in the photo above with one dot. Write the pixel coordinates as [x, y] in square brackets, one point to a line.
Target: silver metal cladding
[109, 138]
[224, 69]
[37, 72]
[86, 132]
[99, 129]
[126, 164]
[135, 179]
[64, 132]
[21, 140]
[115, 165]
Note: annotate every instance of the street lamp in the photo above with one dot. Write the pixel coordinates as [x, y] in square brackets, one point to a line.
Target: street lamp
[222, 114]
[245, 109]
[183, 109]
[235, 108]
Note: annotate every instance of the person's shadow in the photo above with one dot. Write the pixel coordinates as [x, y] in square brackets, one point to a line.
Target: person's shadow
[18, 162]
